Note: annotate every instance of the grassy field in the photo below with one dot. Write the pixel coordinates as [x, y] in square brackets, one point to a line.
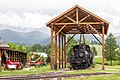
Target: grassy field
[40, 70]
[46, 69]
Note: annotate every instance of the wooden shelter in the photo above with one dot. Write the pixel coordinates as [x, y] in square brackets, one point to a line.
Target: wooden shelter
[7, 54]
[75, 20]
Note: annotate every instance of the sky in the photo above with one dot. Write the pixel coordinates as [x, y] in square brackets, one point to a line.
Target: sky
[33, 14]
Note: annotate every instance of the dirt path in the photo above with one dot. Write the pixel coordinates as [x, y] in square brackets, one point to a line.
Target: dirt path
[49, 75]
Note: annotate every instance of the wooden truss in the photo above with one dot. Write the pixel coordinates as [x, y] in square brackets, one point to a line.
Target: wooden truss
[76, 20]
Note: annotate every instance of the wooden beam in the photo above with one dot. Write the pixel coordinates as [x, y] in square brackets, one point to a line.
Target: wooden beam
[84, 18]
[60, 30]
[74, 33]
[94, 30]
[97, 39]
[70, 19]
[90, 23]
[70, 39]
[103, 30]
[64, 24]
[77, 15]
[81, 23]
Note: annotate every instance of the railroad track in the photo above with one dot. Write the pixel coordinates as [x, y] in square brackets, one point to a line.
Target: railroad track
[49, 75]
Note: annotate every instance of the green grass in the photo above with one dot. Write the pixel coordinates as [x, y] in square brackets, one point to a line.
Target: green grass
[102, 77]
[92, 71]
[42, 69]
[97, 69]
[98, 60]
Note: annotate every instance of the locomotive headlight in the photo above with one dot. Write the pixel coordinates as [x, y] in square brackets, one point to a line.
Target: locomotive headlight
[83, 60]
[81, 54]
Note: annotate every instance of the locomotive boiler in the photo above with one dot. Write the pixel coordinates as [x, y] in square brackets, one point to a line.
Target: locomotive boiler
[81, 57]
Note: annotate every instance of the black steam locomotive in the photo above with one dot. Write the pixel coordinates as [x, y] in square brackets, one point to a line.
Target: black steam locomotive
[81, 57]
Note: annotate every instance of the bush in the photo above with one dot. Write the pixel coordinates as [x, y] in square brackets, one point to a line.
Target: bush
[93, 65]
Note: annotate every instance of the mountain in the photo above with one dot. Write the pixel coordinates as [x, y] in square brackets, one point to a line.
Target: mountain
[45, 30]
[88, 37]
[28, 38]
[40, 36]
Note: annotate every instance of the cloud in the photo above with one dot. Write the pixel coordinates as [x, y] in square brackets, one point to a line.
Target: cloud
[25, 20]
[35, 13]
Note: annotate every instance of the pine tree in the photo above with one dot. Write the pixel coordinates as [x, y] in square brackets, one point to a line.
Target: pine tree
[110, 48]
[118, 55]
[70, 45]
[93, 51]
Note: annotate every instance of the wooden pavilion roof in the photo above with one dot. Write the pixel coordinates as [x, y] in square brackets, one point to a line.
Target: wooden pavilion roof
[78, 20]
[3, 45]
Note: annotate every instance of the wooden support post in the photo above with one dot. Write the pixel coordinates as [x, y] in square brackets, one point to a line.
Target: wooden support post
[103, 46]
[51, 48]
[55, 50]
[0, 58]
[62, 50]
[59, 50]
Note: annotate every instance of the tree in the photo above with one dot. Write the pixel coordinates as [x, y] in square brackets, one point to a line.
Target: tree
[13, 46]
[37, 47]
[70, 45]
[21, 47]
[93, 51]
[118, 55]
[110, 48]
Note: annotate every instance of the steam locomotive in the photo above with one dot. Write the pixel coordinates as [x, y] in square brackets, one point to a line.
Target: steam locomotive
[81, 57]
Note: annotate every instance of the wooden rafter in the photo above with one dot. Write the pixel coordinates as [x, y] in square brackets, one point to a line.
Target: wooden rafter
[70, 19]
[60, 30]
[66, 20]
[84, 18]
[94, 30]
